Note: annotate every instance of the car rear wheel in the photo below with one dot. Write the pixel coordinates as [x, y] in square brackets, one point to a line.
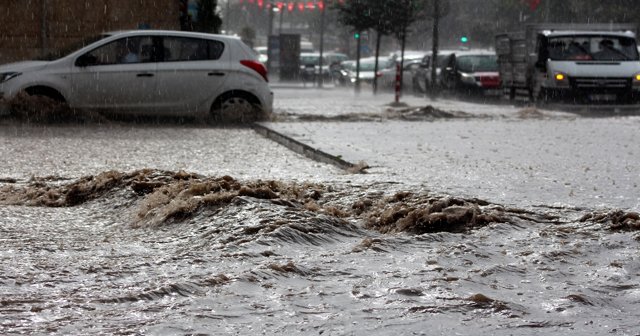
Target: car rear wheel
[236, 109]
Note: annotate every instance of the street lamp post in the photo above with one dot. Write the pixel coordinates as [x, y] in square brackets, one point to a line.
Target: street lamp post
[270, 30]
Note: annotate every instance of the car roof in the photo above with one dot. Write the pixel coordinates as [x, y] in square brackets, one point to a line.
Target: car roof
[177, 33]
[477, 52]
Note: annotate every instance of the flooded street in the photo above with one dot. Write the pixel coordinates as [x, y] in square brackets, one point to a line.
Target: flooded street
[191, 230]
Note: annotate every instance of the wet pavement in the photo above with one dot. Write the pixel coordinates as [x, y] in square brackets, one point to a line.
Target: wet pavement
[123, 229]
[508, 154]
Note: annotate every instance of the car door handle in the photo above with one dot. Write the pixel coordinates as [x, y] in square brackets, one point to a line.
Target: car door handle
[144, 75]
[218, 74]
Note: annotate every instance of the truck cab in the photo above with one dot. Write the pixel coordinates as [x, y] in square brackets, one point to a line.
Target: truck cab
[586, 66]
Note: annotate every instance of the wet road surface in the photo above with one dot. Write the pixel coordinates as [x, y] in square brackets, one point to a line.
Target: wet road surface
[230, 233]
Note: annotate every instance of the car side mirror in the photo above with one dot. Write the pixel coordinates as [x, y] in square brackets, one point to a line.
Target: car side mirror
[86, 60]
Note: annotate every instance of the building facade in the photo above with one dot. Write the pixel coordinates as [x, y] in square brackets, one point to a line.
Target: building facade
[34, 28]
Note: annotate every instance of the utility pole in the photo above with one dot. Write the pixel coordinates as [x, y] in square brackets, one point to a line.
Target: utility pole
[357, 84]
[435, 86]
[281, 15]
[270, 29]
[227, 20]
[321, 77]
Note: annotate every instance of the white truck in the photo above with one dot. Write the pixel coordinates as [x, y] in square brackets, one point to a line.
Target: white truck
[573, 63]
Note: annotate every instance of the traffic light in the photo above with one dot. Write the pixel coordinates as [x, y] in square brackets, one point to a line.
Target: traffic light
[356, 36]
[464, 39]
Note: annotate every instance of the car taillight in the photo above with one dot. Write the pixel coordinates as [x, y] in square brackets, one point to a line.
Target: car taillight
[489, 81]
[257, 67]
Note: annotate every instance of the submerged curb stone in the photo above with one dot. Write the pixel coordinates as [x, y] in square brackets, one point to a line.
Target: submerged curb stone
[301, 148]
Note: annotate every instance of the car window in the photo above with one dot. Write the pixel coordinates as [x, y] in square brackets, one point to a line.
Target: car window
[125, 50]
[191, 49]
[442, 60]
[310, 59]
[477, 63]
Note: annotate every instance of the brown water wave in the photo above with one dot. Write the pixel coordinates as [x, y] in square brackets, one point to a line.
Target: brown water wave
[163, 197]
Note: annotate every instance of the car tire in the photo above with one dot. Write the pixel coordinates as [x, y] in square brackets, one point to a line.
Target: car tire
[236, 108]
[41, 105]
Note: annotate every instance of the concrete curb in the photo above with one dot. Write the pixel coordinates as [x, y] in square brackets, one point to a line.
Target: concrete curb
[301, 148]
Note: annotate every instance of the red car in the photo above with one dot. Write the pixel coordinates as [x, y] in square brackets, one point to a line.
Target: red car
[470, 72]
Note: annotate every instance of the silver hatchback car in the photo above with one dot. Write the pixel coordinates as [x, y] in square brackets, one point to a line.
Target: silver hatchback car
[151, 72]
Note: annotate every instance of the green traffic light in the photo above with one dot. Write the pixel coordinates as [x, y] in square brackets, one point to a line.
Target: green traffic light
[356, 36]
[464, 39]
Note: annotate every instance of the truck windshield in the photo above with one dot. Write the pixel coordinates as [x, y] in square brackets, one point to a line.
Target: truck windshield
[592, 48]
[477, 63]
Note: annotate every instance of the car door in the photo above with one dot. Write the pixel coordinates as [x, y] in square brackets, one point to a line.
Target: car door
[449, 73]
[192, 71]
[119, 75]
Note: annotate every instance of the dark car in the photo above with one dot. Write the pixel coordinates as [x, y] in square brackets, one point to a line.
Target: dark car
[472, 72]
[421, 79]
[310, 65]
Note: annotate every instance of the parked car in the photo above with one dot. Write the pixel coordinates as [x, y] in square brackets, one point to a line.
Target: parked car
[470, 72]
[151, 72]
[367, 70]
[387, 78]
[421, 79]
[409, 55]
[310, 65]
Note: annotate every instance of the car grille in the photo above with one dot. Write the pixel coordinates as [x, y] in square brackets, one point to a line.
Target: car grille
[600, 83]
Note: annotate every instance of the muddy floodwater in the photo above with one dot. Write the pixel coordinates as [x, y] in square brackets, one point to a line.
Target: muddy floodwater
[191, 230]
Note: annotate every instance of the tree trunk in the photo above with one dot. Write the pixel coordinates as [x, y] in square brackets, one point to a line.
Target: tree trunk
[375, 68]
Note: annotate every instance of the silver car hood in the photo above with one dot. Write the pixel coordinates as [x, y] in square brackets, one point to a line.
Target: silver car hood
[22, 66]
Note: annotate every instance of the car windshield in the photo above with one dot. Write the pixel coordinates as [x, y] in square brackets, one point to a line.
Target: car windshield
[477, 63]
[310, 60]
[57, 54]
[592, 48]
[369, 65]
[442, 60]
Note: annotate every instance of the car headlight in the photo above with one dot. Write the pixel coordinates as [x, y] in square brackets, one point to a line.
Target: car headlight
[467, 78]
[561, 79]
[5, 76]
